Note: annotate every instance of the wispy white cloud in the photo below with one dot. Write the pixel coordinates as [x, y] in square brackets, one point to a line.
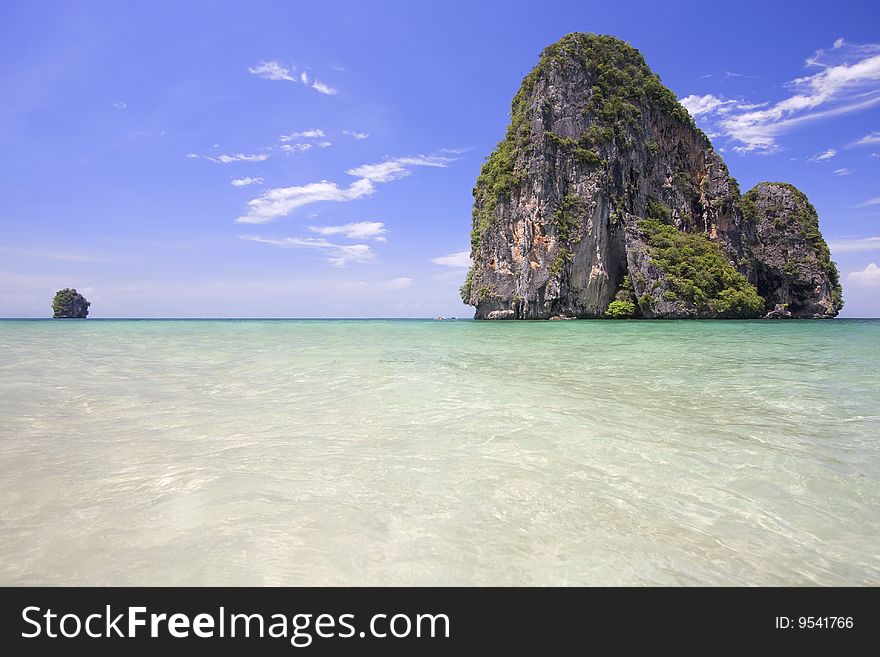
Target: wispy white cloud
[120, 104]
[246, 181]
[698, 105]
[236, 157]
[870, 201]
[868, 277]
[314, 133]
[193, 156]
[322, 88]
[380, 172]
[854, 244]
[272, 70]
[842, 171]
[460, 259]
[355, 134]
[743, 106]
[839, 51]
[360, 230]
[337, 255]
[868, 139]
[296, 148]
[849, 81]
[824, 155]
[281, 201]
[393, 169]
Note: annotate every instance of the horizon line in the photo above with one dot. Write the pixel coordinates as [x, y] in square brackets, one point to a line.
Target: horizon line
[420, 318]
[159, 318]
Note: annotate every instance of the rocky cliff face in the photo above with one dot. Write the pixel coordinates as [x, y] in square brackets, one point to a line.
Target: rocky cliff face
[69, 304]
[792, 264]
[604, 199]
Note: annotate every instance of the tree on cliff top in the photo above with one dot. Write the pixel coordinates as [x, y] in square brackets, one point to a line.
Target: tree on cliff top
[68, 303]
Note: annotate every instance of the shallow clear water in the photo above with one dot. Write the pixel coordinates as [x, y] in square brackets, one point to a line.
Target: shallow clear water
[421, 452]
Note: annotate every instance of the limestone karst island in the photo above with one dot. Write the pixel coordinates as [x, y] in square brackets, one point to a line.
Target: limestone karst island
[605, 200]
[70, 304]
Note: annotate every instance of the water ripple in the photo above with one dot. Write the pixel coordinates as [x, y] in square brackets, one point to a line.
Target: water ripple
[534, 453]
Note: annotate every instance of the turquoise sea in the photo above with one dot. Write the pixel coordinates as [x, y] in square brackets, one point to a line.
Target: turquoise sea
[318, 452]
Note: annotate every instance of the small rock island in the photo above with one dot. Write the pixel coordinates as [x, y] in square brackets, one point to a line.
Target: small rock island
[69, 304]
[605, 200]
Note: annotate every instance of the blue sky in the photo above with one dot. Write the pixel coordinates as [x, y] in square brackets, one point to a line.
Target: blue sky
[289, 159]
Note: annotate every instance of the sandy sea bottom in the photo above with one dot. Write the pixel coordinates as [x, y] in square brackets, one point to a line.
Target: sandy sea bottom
[421, 452]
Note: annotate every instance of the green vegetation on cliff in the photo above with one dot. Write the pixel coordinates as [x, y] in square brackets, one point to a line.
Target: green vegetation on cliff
[659, 211]
[465, 289]
[624, 304]
[652, 198]
[802, 221]
[621, 309]
[699, 273]
[582, 148]
[622, 83]
[497, 176]
[69, 304]
[566, 218]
